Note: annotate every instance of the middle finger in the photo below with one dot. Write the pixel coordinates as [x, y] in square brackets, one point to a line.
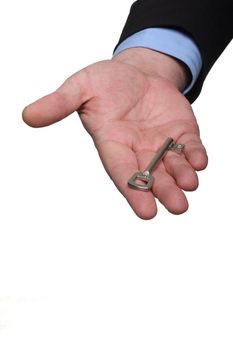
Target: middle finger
[182, 172]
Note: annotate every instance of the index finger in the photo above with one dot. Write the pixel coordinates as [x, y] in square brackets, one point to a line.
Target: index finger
[120, 163]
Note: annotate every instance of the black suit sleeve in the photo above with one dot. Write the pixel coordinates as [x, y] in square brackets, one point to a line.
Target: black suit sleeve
[208, 22]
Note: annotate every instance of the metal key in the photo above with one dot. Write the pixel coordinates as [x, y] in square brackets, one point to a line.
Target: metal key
[145, 176]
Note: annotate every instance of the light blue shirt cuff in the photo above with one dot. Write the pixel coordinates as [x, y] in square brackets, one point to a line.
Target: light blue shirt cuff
[171, 42]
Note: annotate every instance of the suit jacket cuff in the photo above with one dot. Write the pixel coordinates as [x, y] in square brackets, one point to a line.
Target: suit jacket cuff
[208, 23]
[170, 42]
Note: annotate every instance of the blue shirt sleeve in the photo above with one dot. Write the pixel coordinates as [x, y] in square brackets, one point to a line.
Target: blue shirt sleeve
[171, 42]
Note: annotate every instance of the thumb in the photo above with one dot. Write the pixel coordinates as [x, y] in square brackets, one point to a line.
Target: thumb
[59, 104]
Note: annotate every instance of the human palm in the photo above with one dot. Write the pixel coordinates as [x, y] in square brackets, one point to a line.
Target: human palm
[129, 114]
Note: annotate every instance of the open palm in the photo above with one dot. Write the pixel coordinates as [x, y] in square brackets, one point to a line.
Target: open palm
[129, 114]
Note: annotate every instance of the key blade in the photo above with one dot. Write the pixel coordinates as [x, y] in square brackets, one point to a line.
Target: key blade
[159, 154]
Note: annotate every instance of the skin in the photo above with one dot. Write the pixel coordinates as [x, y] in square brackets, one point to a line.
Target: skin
[130, 105]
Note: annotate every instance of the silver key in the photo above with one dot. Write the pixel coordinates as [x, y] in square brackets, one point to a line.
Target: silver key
[145, 177]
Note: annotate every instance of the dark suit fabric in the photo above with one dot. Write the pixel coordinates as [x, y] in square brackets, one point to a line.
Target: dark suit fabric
[208, 22]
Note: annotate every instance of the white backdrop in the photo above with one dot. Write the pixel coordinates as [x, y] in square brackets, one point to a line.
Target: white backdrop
[78, 269]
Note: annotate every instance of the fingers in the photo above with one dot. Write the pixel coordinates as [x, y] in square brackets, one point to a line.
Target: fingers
[177, 172]
[164, 187]
[59, 104]
[194, 151]
[120, 162]
[181, 171]
[183, 167]
[168, 193]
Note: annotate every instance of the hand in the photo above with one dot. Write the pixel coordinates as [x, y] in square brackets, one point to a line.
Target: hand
[130, 105]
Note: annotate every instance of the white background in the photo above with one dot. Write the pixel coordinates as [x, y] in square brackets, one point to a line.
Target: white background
[78, 269]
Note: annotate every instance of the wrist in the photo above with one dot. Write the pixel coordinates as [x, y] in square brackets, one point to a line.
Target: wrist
[156, 64]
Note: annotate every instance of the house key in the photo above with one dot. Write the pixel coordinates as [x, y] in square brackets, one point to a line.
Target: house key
[145, 177]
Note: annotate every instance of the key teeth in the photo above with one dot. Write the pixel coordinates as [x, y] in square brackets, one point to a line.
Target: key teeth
[177, 147]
